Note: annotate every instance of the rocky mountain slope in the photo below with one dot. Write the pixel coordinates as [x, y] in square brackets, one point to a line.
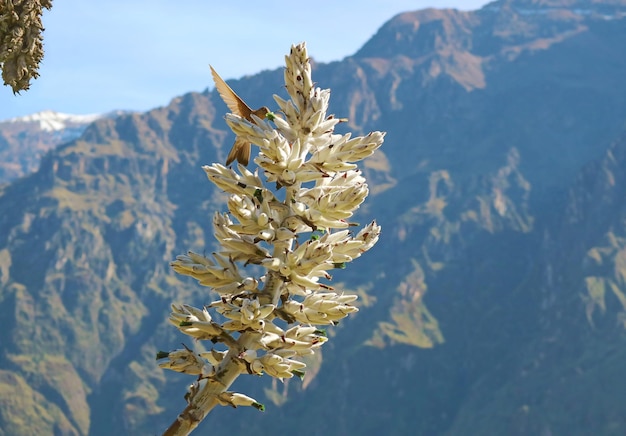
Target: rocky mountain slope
[24, 140]
[493, 304]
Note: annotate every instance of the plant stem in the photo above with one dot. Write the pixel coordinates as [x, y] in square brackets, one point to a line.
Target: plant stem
[206, 398]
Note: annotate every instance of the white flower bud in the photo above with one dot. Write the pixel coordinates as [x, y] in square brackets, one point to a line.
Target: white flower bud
[262, 219]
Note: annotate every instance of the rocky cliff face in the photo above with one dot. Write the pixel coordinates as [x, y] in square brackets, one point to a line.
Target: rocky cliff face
[494, 303]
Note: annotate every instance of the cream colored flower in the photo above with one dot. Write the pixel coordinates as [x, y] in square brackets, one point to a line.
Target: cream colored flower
[286, 227]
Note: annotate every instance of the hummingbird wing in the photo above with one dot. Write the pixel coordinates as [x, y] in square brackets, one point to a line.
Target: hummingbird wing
[240, 152]
[232, 100]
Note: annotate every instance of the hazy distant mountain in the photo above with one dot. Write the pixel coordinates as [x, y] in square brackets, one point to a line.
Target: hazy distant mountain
[576, 6]
[495, 302]
[24, 140]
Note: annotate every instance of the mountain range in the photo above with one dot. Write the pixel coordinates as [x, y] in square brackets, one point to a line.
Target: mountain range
[24, 140]
[494, 303]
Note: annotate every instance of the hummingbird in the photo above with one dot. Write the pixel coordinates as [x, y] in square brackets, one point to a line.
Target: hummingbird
[241, 148]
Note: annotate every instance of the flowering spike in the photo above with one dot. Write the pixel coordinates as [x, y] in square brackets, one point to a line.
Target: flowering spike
[297, 145]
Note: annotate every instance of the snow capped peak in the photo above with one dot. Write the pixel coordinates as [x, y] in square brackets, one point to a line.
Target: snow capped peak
[50, 121]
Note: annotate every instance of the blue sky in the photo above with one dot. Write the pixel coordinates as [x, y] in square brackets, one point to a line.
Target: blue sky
[139, 54]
